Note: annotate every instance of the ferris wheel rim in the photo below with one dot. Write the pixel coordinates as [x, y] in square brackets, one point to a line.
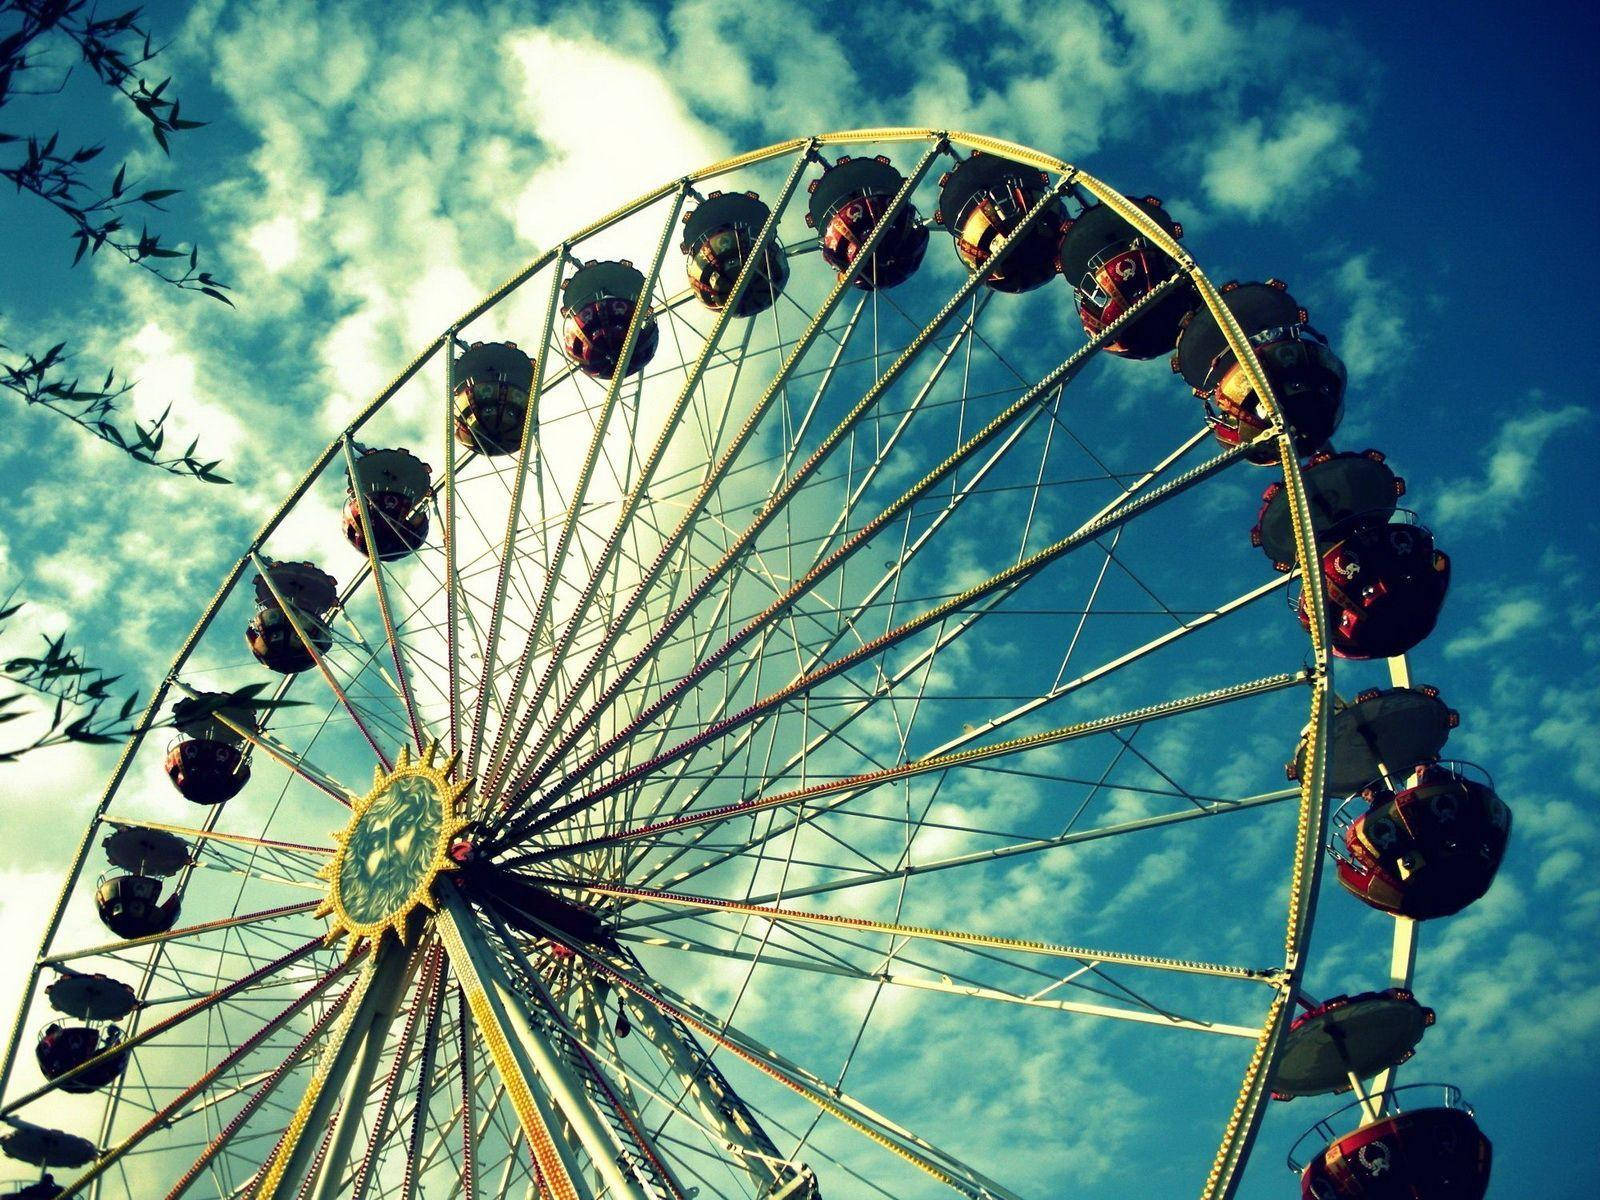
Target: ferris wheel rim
[1312, 810]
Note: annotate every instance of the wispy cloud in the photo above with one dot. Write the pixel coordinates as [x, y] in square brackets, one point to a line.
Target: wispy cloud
[1503, 622]
[1566, 729]
[612, 126]
[1510, 463]
[1262, 164]
[1373, 339]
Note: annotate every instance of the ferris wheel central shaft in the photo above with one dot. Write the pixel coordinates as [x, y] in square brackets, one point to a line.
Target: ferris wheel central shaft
[525, 1058]
[338, 1086]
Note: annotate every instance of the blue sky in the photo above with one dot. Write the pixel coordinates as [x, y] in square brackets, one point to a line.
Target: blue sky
[1421, 175]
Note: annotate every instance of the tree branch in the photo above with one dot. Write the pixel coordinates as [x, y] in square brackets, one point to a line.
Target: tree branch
[43, 381]
[80, 698]
[114, 48]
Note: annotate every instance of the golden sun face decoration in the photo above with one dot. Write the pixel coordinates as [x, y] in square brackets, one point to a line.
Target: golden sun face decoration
[395, 846]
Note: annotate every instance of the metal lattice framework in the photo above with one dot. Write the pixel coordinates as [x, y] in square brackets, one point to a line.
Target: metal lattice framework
[836, 665]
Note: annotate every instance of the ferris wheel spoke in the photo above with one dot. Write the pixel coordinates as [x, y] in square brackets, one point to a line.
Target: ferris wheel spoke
[694, 405]
[942, 981]
[713, 623]
[543, 609]
[1051, 695]
[616, 473]
[888, 684]
[1069, 837]
[439, 1136]
[676, 698]
[171, 1113]
[260, 1097]
[681, 575]
[513, 737]
[464, 574]
[954, 937]
[996, 586]
[258, 991]
[197, 1007]
[267, 744]
[356, 640]
[704, 641]
[768, 512]
[1061, 689]
[452, 1132]
[228, 959]
[916, 1150]
[514, 517]
[309, 645]
[227, 865]
[687, 1161]
[887, 581]
[468, 1176]
[742, 546]
[181, 934]
[719, 469]
[381, 593]
[425, 638]
[1032, 846]
[219, 1097]
[495, 1139]
[368, 659]
[296, 852]
[512, 1171]
[840, 951]
[747, 430]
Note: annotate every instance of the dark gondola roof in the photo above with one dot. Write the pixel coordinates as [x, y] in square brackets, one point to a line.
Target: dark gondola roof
[1256, 306]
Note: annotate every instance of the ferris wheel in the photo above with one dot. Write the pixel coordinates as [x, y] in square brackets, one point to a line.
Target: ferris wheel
[729, 719]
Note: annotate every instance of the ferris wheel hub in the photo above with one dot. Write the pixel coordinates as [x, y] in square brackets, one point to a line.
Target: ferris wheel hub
[395, 847]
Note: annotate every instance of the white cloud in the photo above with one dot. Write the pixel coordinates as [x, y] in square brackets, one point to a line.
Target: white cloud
[78, 576]
[1506, 621]
[1511, 464]
[1566, 731]
[276, 242]
[1373, 340]
[774, 63]
[1259, 166]
[1176, 48]
[612, 127]
[168, 374]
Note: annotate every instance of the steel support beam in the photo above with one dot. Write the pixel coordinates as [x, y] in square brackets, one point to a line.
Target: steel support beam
[345, 1073]
[542, 1089]
[718, 1105]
